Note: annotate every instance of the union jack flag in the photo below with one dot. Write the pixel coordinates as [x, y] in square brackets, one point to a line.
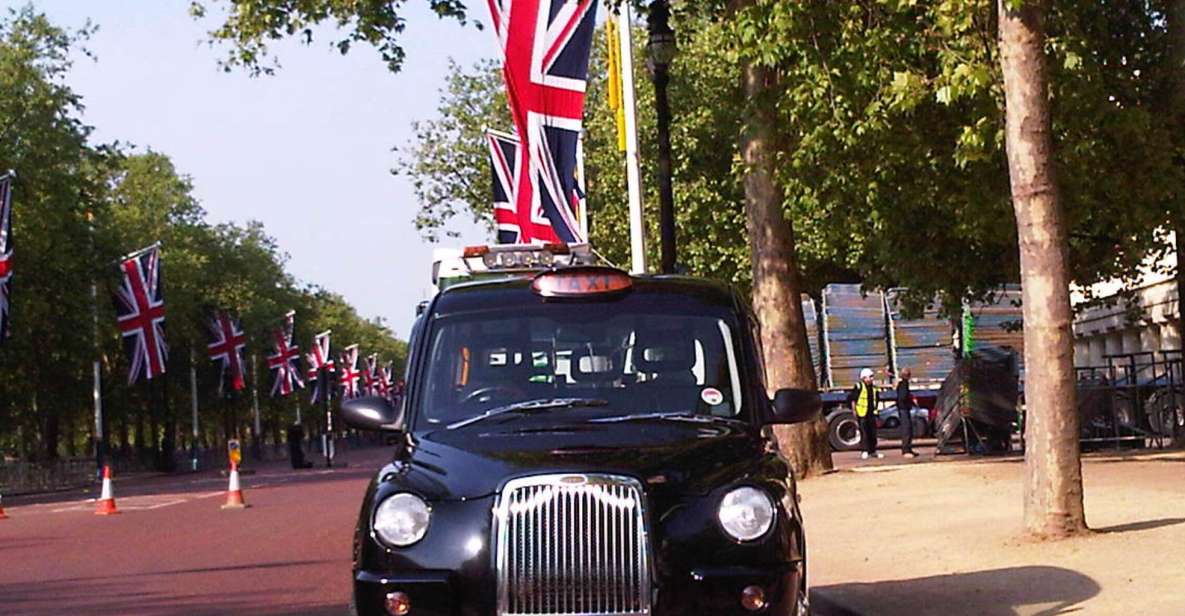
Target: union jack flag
[546, 46]
[317, 359]
[350, 374]
[227, 342]
[505, 161]
[286, 361]
[5, 249]
[370, 378]
[384, 383]
[140, 313]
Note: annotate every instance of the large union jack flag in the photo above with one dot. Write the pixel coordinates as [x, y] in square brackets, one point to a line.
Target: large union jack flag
[227, 342]
[317, 359]
[286, 360]
[5, 250]
[350, 374]
[546, 46]
[140, 314]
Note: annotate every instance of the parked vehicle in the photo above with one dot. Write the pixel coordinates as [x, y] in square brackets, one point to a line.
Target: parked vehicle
[843, 428]
[579, 441]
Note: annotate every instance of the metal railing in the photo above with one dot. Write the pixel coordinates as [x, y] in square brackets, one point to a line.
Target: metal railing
[1135, 400]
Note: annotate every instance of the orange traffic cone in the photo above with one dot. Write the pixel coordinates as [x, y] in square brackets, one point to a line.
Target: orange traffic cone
[234, 493]
[106, 503]
[3, 516]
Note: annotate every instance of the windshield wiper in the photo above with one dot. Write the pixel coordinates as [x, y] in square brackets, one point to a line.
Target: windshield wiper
[667, 415]
[530, 405]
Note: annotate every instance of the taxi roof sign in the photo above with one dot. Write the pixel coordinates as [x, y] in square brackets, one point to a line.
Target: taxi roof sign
[581, 282]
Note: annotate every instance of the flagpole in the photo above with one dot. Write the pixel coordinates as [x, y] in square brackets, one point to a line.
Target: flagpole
[96, 366]
[135, 253]
[255, 399]
[326, 391]
[193, 392]
[632, 164]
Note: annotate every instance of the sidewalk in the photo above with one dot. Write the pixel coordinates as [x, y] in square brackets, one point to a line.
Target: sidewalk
[149, 482]
[946, 539]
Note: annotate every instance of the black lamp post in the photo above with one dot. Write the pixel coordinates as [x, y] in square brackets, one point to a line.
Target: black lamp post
[662, 51]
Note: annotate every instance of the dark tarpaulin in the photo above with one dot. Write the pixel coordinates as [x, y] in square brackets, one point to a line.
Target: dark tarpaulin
[977, 405]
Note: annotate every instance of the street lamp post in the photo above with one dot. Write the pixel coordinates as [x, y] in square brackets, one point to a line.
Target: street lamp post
[662, 50]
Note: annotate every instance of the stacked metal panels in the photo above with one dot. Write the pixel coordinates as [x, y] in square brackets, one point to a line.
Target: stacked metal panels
[855, 332]
[998, 322]
[923, 345]
[811, 316]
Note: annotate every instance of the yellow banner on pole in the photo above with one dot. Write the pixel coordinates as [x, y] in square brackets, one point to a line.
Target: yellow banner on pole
[613, 45]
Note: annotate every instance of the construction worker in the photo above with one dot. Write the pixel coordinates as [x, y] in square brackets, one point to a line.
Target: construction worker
[863, 399]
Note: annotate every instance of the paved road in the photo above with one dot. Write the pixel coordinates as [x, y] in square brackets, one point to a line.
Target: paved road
[174, 551]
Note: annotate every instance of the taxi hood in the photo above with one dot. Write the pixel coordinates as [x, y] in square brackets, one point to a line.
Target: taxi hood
[688, 456]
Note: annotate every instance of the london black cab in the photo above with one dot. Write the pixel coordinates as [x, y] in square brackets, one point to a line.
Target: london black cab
[575, 440]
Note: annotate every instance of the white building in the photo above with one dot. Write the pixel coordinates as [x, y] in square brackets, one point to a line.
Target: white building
[1147, 321]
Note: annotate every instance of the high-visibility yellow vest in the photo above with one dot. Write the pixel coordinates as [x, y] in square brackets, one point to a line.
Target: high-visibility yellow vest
[862, 399]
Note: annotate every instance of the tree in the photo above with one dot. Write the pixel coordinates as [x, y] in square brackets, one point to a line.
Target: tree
[42, 138]
[1175, 125]
[250, 25]
[78, 207]
[1053, 469]
[776, 284]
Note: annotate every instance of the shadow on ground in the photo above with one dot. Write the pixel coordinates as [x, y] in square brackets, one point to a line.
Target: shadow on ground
[1032, 591]
[117, 594]
[1139, 526]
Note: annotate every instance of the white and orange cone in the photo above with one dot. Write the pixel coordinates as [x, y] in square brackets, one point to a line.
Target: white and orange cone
[234, 492]
[106, 503]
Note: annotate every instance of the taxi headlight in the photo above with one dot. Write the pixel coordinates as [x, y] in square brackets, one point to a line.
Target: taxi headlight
[402, 519]
[746, 513]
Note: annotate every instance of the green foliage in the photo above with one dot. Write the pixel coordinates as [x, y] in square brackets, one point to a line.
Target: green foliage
[77, 209]
[250, 25]
[891, 119]
[894, 162]
[447, 160]
[449, 165]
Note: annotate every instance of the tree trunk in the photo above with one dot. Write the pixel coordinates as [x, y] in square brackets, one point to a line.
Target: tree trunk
[776, 284]
[1053, 467]
[1176, 119]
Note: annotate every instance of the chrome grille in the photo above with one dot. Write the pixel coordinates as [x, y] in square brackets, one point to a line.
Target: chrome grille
[573, 545]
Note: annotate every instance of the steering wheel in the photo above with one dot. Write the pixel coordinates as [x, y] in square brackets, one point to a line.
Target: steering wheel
[489, 390]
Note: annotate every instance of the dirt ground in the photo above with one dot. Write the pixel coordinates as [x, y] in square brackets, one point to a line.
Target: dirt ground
[919, 537]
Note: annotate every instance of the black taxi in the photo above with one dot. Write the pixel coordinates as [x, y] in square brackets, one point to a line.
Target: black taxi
[581, 441]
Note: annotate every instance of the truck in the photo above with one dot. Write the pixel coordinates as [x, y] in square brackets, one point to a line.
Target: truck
[850, 328]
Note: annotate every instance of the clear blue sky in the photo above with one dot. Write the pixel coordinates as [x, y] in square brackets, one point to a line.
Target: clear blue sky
[307, 151]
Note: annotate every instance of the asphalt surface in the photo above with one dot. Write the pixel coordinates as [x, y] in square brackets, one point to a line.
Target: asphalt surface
[173, 550]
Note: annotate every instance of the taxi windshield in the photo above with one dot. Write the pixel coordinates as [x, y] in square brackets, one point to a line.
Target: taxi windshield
[577, 360]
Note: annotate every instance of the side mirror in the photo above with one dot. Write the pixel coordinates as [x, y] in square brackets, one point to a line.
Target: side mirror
[795, 406]
[372, 413]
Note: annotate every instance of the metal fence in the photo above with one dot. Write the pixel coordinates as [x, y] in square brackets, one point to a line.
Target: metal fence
[1135, 400]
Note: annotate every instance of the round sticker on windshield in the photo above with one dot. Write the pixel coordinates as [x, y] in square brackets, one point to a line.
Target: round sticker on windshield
[711, 396]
